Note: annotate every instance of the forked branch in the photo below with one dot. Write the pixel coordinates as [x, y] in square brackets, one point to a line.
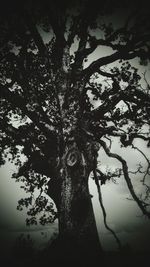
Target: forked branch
[142, 205]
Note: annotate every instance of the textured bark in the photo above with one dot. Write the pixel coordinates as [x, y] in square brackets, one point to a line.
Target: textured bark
[78, 236]
[76, 217]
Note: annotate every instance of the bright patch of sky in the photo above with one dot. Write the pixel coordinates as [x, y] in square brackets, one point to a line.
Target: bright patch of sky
[123, 215]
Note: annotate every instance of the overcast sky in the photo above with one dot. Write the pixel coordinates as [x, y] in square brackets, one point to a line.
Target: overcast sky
[123, 215]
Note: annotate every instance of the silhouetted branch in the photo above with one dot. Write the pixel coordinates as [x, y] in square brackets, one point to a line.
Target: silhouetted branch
[35, 35]
[124, 53]
[148, 85]
[146, 172]
[55, 15]
[104, 211]
[142, 205]
[130, 94]
[106, 74]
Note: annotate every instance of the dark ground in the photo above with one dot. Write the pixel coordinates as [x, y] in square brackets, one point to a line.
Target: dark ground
[108, 259]
[64, 257]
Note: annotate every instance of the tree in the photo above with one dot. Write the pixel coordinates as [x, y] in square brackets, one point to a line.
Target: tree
[49, 83]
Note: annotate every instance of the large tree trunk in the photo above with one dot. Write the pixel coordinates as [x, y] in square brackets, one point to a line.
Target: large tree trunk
[77, 225]
[78, 236]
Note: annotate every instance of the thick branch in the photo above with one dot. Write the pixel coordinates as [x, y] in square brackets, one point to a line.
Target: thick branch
[130, 94]
[36, 36]
[125, 53]
[8, 128]
[106, 74]
[56, 20]
[95, 65]
[109, 104]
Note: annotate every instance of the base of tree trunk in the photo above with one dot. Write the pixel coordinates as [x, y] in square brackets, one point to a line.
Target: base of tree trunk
[69, 256]
[70, 253]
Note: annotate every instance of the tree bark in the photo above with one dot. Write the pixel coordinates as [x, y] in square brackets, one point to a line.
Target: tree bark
[78, 235]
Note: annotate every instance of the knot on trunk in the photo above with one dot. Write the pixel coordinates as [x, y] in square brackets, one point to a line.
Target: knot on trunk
[72, 157]
[96, 146]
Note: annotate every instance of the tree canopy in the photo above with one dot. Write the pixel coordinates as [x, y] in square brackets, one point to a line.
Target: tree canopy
[67, 72]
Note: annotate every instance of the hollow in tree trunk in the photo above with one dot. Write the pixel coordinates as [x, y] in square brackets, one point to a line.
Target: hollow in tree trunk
[78, 235]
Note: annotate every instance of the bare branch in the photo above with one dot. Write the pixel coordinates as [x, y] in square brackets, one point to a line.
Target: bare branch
[125, 53]
[142, 205]
[106, 74]
[146, 172]
[95, 65]
[104, 211]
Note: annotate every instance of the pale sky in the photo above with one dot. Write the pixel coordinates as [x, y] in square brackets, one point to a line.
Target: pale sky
[124, 216]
